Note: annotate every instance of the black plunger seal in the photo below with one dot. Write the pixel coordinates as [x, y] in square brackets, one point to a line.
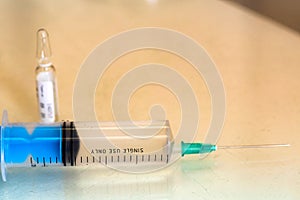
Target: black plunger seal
[70, 143]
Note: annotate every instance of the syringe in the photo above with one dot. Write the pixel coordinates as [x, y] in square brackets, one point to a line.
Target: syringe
[132, 147]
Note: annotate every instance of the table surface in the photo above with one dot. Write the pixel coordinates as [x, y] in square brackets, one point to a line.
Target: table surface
[257, 58]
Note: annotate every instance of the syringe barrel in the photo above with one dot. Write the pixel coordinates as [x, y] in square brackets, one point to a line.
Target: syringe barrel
[128, 146]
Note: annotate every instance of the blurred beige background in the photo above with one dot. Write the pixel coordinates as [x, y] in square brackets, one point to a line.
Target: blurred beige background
[286, 12]
[257, 58]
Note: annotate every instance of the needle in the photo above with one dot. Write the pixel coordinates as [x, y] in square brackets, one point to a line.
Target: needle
[199, 148]
[253, 146]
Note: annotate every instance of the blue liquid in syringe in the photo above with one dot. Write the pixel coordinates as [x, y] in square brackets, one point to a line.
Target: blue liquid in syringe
[42, 145]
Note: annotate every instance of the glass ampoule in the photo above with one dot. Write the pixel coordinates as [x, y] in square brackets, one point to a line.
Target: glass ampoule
[46, 86]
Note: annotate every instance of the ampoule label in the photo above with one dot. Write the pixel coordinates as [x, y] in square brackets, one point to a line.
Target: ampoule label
[46, 100]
